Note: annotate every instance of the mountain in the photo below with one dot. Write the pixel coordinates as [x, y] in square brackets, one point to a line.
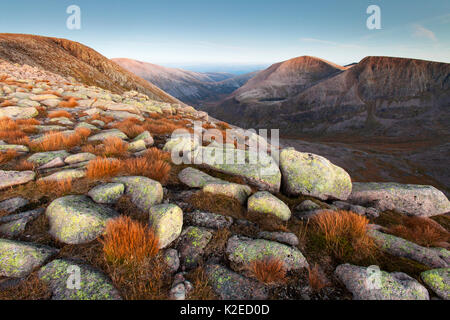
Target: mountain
[188, 86]
[378, 97]
[72, 59]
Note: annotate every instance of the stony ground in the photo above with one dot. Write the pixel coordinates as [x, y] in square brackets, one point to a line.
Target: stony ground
[79, 163]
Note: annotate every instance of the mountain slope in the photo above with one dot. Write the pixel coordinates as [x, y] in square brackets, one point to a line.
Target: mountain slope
[379, 96]
[72, 59]
[188, 86]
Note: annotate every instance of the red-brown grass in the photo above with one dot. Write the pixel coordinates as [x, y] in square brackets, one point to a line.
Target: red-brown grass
[60, 114]
[163, 126]
[422, 231]
[24, 141]
[316, 279]
[84, 133]
[71, 103]
[103, 168]
[130, 129]
[25, 165]
[157, 154]
[154, 169]
[30, 288]
[7, 103]
[223, 125]
[53, 141]
[344, 234]
[105, 119]
[115, 147]
[129, 242]
[7, 156]
[57, 188]
[55, 93]
[268, 271]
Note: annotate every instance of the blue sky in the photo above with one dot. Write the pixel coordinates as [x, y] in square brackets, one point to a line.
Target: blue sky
[184, 32]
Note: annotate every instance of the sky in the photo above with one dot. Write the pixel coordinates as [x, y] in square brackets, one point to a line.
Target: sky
[183, 33]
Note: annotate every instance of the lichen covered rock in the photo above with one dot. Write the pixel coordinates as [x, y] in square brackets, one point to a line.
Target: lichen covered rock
[144, 192]
[195, 178]
[108, 193]
[374, 284]
[257, 169]
[42, 158]
[439, 281]
[167, 222]
[61, 277]
[242, 251]
[77, 219]
[229, 285]
[18, 259]
[406, 249]
[313, 175]
[14, 178]
[193, 241]
[415, 200]
[265, 203]
[236, 191]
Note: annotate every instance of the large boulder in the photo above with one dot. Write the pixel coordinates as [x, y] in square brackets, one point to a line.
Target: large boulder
[14, 178]
[19, 259]
[416, 200]
[242, 251]
[167, 222]
[439, 281]
[373, 284]
[144, 192]
[264, 203]
[61, 277]
[229, 285]
[313, 175]
[257, 169]
[434, 258]
[77, 219]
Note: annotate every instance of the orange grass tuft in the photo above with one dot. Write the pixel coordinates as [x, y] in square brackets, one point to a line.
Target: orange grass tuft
[157, 154]
[316, 279]
[7, 103]
[129, 242]
[58, 188]
[71, 103]
[154, 169]
[60, 114]
[422, 231]
[25, 165]
[102, 168]
[7, 156]
[269, 271]
[344, 234]
[53, 141]
[114, 147]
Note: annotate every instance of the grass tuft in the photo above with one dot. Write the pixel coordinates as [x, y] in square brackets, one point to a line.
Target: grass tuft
[268, 271]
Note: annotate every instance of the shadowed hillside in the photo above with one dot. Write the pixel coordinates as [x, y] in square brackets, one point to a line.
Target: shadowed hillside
[72, 59]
